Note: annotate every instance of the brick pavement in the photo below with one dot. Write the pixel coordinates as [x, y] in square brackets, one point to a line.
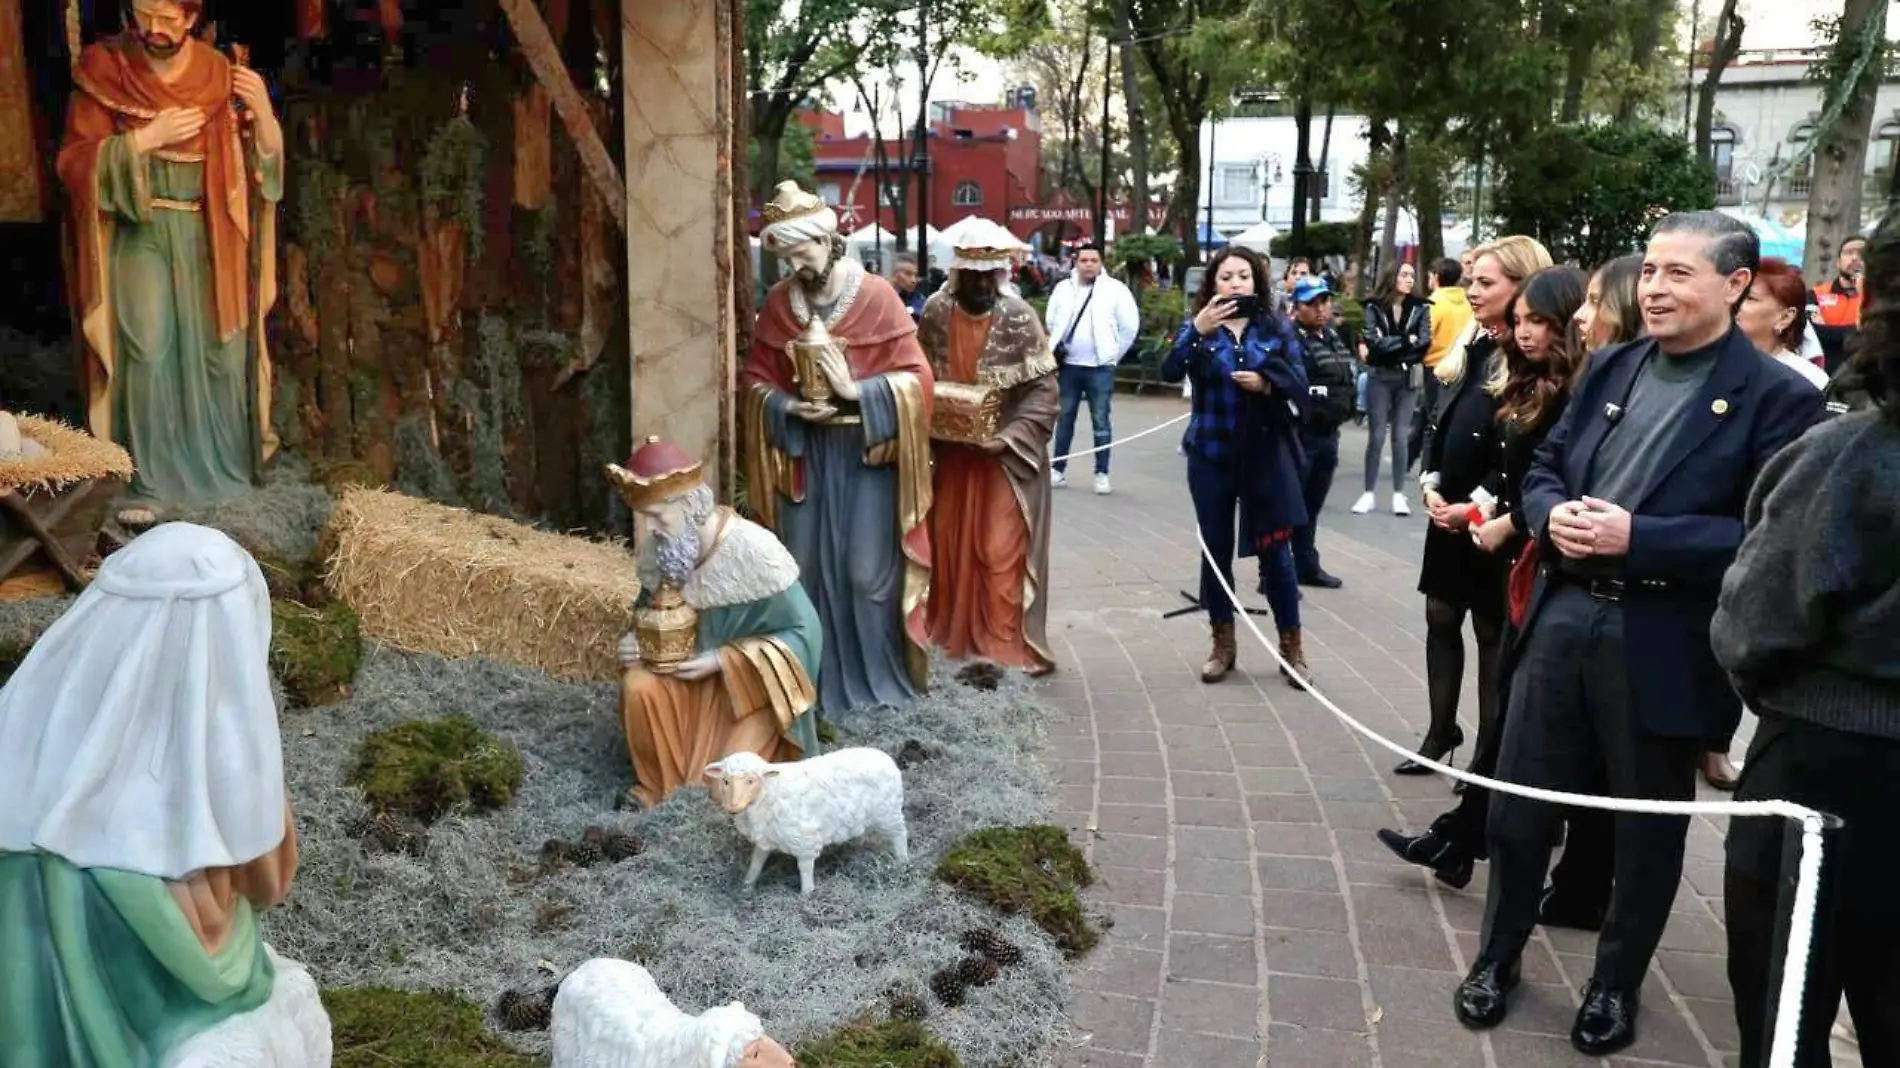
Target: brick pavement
[1256, 918]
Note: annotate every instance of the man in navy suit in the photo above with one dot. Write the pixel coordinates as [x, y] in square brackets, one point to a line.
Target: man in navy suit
[1637, 499]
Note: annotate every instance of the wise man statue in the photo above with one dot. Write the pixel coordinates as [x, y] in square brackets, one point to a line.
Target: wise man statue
[144, 825]
[991, 517]
[173, 163]
[751, 682]
[845, 482]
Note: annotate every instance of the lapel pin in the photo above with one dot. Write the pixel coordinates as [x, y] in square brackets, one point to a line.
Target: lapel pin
[1612, 412]
[1720, 407]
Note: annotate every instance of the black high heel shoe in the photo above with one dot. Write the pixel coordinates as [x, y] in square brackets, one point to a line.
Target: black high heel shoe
[1450, 862]
[1433, 749]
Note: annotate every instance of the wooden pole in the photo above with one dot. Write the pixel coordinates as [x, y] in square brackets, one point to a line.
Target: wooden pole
[544, 57]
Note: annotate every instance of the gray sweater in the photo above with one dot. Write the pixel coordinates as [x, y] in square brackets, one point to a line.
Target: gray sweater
[1809, 621]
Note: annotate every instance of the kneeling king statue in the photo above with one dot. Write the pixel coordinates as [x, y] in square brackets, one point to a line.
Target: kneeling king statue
[836, 426]
[725, 651]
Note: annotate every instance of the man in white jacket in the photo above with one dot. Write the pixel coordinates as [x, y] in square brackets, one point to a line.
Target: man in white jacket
[1093, 320]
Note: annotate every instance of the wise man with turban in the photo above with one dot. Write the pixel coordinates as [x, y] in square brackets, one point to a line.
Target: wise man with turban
[144, 825]
[990, 527]
[173, 162]
[751, 684]
[846, 484]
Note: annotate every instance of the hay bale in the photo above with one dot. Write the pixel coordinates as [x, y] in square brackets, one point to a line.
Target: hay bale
[428, 578]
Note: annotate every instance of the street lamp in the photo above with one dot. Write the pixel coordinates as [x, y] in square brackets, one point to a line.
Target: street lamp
[1270, 176]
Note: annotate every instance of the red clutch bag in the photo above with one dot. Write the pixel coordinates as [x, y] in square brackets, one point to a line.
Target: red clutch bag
[1517, 590]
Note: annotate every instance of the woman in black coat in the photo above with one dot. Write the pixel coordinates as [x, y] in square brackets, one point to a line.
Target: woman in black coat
[1398, 334]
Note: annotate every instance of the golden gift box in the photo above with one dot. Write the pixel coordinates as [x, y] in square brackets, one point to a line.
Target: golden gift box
[667, 630]
[966, 414]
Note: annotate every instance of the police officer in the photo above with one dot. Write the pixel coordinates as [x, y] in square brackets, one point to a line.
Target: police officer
[1331, 374]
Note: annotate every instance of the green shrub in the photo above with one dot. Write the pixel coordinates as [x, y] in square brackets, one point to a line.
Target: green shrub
[897, 1044]
[375, 1027]
[1162, 312]
[1032, 871]
[426, 768]
[314, 651]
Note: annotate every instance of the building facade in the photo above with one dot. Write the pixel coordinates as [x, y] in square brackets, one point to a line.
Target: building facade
[1250, 179]
[1766, 111]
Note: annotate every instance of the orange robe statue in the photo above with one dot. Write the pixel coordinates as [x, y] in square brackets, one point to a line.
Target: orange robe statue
[990, 524]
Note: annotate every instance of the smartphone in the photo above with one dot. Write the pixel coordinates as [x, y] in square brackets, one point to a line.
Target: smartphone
[1245, 306]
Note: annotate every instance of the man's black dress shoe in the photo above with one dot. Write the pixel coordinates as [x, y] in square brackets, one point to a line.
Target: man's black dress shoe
[1450, 862]
[1484, 996]
[1607, 1021]
[1322, 579]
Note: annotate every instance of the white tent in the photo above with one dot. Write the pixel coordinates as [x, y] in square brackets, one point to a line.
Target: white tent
[862, 242]
[1258, 237]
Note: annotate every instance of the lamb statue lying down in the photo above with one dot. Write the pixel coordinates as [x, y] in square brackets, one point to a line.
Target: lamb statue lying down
[802, 807]
[611, 1014]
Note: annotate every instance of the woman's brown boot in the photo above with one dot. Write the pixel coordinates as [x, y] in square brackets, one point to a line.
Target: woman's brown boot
[1221, 660]
[1294, 653]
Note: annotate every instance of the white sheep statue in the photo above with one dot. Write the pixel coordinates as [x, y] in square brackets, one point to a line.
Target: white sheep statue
[802, 807]
[611, 1014]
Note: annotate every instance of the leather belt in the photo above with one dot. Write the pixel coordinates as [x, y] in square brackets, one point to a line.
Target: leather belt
[1613, 589]
[166, 204]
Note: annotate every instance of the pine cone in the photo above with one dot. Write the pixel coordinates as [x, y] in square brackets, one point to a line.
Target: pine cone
[586, 854]
[912, 753]
[975, 970]
[981, 676]
[555, 855]
[908, 1006]
[948, 986]
[986, 941]
[620, 846]
[523, 1011]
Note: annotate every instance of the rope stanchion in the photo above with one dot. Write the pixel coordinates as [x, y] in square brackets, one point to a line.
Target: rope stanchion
[1182, 418]
[1807, 886]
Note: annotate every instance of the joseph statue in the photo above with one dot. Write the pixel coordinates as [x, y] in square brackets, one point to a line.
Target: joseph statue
[174, 194]
[989, 596]
[846, 482]
[757, 643]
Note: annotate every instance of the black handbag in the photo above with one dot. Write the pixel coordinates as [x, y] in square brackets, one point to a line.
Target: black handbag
[1062, 347]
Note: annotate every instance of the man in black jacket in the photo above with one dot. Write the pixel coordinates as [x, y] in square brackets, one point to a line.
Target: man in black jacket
[1637, 497]
[1331, 373]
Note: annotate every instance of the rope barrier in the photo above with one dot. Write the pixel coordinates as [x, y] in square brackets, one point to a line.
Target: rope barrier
[1807, 885]
[1122, 441]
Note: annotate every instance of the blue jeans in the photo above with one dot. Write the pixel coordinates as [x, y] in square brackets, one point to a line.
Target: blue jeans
[1216, 502]
[1322, 459]
[1097, 384]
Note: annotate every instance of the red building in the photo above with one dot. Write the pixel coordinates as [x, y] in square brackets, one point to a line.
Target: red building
[982, 161]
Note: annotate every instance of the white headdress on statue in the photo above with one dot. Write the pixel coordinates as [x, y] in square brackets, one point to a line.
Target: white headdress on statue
[985, 247]
[140, 733]
[793, 217]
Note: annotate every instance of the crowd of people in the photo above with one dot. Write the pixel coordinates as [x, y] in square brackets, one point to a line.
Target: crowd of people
[1637, 497]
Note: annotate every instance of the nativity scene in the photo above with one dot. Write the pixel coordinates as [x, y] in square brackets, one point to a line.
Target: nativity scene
[406, 665]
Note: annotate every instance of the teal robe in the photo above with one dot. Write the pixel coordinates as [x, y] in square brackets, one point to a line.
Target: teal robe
[100, 968]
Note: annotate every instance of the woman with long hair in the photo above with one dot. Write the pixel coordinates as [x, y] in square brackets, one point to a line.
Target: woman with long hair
[1459, 456]
[1611, 314]
[1398, 334]
[1243, 446]
[1808, 628]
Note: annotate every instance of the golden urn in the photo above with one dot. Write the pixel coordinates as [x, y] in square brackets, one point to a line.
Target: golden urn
[668, 630]
[807, 351]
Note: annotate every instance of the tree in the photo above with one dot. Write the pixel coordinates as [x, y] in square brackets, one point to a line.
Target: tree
[1850, 77]
[1722, 52]
[797, 155]
[1059, 64]
[1138, 155]
[1591, 192]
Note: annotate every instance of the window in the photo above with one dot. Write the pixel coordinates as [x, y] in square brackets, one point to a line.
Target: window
[1801, 176]
[1237, 185]
[1722, 154]
[968, 194]
[830, 193]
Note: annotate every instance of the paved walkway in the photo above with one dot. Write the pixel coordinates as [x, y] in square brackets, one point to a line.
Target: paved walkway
[1256, 919]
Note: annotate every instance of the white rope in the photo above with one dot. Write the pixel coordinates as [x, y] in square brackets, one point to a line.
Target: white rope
[1123, 441]
[1807, 886]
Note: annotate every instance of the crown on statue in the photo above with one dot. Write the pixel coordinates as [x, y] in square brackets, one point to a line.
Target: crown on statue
[790, 202]
[657, 471]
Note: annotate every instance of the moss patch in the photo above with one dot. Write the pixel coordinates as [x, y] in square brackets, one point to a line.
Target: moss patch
[896, 1044]
[1034, 871]
[315, 651]
[376, 1027]
[425, 768]
[12, 655]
